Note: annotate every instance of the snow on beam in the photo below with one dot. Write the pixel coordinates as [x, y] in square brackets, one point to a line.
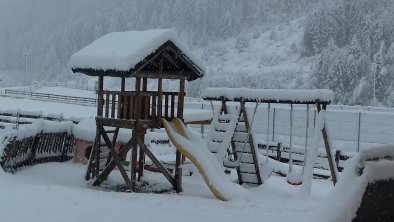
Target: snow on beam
[296, 96]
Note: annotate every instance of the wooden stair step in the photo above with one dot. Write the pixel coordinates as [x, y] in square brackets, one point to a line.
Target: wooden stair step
[249, 178]
[247, 168]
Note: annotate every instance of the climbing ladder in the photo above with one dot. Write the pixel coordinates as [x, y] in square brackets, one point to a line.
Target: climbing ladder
[98, 161]
[222, 131]
[231, 130]
[244, 147]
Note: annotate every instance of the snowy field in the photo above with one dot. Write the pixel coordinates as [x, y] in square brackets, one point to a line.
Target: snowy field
[58, 192]
[350, 128]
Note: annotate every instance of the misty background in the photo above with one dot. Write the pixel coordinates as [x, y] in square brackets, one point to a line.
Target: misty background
[343, 45]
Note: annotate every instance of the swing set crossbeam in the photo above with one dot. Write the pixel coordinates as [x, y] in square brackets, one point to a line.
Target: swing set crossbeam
[295, 102]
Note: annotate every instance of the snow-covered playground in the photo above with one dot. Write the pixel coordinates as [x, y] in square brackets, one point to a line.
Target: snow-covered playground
[138, 151]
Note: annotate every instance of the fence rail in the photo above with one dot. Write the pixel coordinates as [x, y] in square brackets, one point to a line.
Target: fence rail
[39, 84]
[52, 97]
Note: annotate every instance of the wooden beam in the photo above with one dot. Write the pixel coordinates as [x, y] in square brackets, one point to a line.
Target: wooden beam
[144, 63]
[111, 166]
[100, 96]
[123, 84]
[125, 123]
[165, 74]
[115, 156]
[171, 60]
[160, 98]
[331, 161]
[266, 101]
[181, 99]
[251, 143]
[162, 169]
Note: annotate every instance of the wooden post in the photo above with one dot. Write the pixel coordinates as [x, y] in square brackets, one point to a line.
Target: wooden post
[160, 97]
[273, 125]
[123, 84]
[181, 99]
[136, 131]
[178, 170]
[251, 143]
[327, 146]
[100, 96]
[141, 161]
[359, 132]
[202, 125]
[160, 90]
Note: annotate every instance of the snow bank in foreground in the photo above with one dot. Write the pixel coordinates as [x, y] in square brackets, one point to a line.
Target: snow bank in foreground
[269, 94]
[344, 200]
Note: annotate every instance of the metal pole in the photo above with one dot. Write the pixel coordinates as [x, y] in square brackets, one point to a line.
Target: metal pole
[359, 132]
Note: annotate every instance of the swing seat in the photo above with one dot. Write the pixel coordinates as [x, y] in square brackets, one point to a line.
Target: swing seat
[294, 183]
[230, 164]
[294, 178]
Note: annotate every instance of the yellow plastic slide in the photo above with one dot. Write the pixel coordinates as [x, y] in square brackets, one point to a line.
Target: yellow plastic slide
[219, 184]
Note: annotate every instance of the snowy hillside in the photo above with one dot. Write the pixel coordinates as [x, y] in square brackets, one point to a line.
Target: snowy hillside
[263, 57]
[343, 45]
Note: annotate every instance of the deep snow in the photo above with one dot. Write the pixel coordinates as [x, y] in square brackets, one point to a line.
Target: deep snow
[58, 192]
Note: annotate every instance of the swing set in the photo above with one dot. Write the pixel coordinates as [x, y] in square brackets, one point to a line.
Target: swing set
[242, 154]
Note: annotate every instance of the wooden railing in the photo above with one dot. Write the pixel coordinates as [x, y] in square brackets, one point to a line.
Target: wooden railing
[147, 105]
[52, 97]
[41, 148]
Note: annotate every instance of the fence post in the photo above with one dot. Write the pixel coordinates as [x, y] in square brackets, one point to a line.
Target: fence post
[359, 131]
[202, 125]
[273, 125]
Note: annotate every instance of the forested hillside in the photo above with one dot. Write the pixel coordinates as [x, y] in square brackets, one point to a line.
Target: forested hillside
[339, 44]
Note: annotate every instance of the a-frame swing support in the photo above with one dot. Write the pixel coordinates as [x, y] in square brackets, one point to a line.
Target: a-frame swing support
[331, 161]
[238, 153]
[243, 115]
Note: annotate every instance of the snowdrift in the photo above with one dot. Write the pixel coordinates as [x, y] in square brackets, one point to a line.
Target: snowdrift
[365, 191]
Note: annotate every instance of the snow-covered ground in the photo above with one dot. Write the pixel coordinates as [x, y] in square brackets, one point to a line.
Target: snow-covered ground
[58, 192]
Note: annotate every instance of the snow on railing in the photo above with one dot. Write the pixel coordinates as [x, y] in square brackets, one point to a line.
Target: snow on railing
[39, 143]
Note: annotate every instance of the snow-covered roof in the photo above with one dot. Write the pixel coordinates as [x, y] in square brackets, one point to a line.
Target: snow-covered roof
[123, 51]
[269, 95]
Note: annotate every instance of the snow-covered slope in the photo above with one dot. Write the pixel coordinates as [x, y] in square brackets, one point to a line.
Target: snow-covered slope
[261, 57]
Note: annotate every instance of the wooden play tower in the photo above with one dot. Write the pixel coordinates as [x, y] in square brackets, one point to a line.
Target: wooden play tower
[147, 57]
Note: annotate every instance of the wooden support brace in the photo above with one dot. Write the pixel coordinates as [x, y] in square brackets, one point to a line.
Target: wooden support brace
[327, 146]
[160, 166]
[111, 165]
[92, 158]
[251, 143]
[115, 156]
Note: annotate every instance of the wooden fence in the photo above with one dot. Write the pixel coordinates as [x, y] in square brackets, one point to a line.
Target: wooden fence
[41, 148]
[52, 97]
[39, 84]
